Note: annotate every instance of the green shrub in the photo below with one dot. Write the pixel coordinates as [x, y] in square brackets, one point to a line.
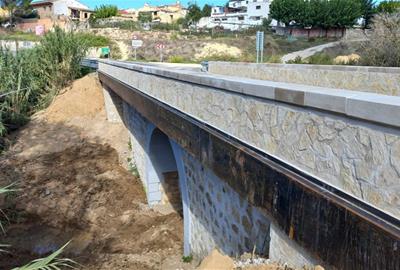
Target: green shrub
[187, 259]
[274, 59]
[297, 60]
[220, 57]
[177, 59]
[92, 40]
[320, 59]
[128, 25]
[165, 27]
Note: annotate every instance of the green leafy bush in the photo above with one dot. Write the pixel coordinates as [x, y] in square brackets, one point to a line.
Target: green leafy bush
[320, 59]
[177, 59]
[92, 40]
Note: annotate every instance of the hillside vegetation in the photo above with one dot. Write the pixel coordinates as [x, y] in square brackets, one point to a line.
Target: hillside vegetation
[196, 47]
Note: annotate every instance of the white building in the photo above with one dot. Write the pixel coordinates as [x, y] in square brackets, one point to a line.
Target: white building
[239, 14]
[72, 9]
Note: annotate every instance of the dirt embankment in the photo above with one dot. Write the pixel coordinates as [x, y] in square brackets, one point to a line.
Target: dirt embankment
[68, 162]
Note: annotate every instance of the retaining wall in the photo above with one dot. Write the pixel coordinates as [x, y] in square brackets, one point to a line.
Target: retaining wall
[378, 80]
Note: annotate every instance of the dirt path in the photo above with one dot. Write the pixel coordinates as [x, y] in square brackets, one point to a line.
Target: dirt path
[316, 49]
[308, 52]
[69, 163]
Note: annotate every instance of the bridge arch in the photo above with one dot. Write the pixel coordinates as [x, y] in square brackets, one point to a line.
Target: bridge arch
[166, 178]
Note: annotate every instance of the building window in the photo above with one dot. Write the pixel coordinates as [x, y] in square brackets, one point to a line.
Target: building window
[85, 15]
[155, 13]
[224, 19]
[172, 17]
[258, 18]
[241, 18]
[258, 7]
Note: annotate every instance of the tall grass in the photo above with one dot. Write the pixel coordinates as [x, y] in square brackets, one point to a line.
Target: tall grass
[31, 78]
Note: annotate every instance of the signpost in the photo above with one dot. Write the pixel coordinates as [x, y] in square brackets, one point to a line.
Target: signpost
[260, 46]
[136, 43]
[160, 46]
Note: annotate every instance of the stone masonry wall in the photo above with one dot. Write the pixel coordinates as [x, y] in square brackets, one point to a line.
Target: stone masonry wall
[220, 217]
[358, 157]
[366, 79]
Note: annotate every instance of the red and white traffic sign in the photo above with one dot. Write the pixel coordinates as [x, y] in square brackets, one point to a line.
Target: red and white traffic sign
[160, 46]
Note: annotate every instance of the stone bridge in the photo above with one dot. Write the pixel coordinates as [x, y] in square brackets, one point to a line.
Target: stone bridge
[301, 172]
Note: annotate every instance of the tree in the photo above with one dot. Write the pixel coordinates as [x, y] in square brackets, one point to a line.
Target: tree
[286, 11]
[16, 8]
[105, 11]
[194, 13]
[316, 13]
[206, 11]
[388, 7]
[145, 17]
[368, 11]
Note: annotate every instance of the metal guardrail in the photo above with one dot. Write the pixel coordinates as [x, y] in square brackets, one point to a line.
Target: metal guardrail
[90, 63]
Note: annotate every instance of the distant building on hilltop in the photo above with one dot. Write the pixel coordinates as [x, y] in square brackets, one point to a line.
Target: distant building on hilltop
[238, 14]
[72, 9]
[53, 13]
[165, 13]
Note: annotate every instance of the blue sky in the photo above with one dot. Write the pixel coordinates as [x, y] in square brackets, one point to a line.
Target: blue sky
[140, 3]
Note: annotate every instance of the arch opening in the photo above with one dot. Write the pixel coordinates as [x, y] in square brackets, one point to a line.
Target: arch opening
[163, 176]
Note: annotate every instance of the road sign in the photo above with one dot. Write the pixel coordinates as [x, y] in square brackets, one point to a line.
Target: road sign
[137, 43]
[160, 46]
[260, 46]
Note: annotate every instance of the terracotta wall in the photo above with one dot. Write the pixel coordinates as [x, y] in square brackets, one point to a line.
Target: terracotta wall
[315, 32]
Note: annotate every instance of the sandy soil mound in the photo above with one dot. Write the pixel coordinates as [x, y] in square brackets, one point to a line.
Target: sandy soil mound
[67, 162]
[82, 99]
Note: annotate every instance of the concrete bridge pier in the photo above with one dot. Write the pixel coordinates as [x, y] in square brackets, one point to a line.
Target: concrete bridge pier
[214, 214]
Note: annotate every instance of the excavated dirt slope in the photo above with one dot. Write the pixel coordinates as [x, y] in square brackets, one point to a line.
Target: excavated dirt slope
[68, 163]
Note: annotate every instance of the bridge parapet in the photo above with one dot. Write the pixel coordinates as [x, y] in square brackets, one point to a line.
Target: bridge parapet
[331, 135]
[379, 80]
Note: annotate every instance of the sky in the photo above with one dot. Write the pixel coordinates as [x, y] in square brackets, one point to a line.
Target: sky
[123, 4]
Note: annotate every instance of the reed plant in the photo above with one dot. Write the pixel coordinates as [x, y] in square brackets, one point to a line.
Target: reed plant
[31, 78]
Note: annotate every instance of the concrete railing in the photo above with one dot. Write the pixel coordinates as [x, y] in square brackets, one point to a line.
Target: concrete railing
[372, 107]
[378, 80]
